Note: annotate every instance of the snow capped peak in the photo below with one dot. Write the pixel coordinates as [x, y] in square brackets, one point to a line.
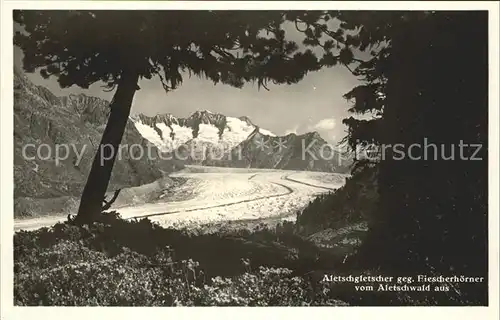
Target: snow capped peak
[247, 120]
[201, 113]
[255, 133]
[204, 125]
[267, 132]
[152, 120]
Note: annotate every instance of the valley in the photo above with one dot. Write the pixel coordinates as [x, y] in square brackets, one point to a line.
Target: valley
[213, 168]
[219, 195]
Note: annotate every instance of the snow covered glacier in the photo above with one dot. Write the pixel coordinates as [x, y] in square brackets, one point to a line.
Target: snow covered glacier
[223, 195]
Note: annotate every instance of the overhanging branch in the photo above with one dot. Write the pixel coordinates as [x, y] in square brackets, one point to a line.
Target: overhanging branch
[108, 204]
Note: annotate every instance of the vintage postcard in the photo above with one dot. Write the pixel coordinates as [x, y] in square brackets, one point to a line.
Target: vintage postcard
[218, 154]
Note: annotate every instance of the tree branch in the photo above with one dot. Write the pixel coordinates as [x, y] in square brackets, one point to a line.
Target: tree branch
[325, 31]
[224, 53]
[348, 68]
[109, 203]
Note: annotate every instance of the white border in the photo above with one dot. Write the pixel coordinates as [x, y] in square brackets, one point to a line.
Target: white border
[8, 311]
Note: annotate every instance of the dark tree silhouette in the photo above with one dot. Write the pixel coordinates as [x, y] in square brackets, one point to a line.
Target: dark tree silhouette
[121, 47]
[430, 81]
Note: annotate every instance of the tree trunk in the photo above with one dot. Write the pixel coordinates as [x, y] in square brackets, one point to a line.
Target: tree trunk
[100, 173]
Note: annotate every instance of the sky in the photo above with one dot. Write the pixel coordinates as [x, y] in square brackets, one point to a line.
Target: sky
[313, 104]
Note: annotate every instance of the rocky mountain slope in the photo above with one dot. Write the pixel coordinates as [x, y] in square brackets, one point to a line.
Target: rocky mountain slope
[45, 124]
[307, 152]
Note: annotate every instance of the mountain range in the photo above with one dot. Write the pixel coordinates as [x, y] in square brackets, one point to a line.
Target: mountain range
[44, 122]
[213, 139]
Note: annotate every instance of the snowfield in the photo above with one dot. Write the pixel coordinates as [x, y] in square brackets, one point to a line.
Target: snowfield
[225, 194]
[235, 132]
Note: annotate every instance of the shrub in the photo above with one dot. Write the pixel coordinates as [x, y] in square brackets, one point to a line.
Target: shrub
[137, 263]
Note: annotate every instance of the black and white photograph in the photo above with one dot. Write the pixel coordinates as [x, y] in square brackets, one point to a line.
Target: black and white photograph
[165, 157]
